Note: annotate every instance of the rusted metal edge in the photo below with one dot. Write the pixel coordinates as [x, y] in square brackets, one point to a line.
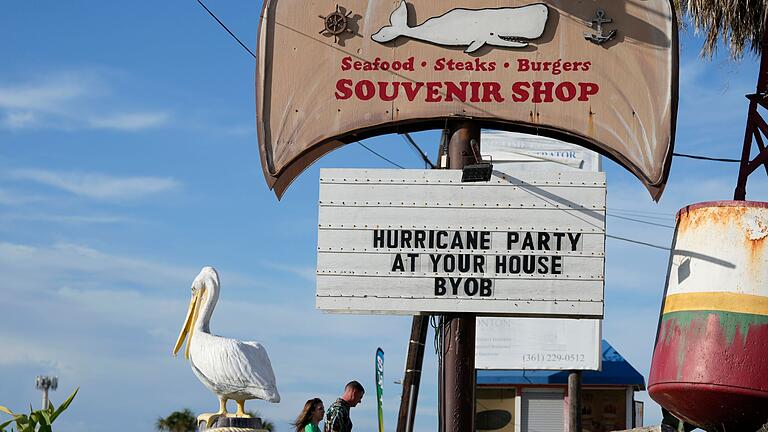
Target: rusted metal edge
[722, 203]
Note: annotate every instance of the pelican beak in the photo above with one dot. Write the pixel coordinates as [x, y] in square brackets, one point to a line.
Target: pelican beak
[188, 327]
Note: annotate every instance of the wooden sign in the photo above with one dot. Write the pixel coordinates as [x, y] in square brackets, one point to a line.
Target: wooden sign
[601, 74]
[411, 241]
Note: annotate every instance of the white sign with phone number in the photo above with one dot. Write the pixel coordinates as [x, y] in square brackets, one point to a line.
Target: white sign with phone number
[535, 344]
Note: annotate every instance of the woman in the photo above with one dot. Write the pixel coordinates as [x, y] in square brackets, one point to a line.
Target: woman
[310, 416]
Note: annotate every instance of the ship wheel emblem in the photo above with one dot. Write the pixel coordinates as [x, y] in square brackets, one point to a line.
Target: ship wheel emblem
[336, 23]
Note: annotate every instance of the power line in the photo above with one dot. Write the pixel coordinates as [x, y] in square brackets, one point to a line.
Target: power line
[407, 137]
[640, 221]
[228, 31]
[705, 158]
[637, 242]
[635, 211]
[371, 150]
[644, 217]
[644, 214]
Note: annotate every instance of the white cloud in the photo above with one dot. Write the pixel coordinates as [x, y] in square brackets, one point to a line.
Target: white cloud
[41, 268]
[50, 267]
[19, 120]
[130, 121]
[97, 186]
[240, 131]
[66, 219]
[70, 101]
[305, 272]
[47, 94]
[13, 198]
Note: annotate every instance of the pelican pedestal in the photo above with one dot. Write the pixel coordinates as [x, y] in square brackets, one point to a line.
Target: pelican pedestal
[233, 424]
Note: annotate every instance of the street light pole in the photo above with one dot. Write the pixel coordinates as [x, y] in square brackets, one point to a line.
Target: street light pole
[43, 383]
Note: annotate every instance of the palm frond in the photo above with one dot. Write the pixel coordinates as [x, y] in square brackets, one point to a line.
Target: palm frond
[739, 24]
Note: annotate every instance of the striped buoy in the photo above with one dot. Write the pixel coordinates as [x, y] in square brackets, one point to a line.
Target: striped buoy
[710, 364]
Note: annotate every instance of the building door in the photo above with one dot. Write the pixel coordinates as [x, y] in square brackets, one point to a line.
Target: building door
[543, 411]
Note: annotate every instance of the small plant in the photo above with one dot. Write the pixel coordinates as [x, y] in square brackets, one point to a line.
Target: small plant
[36, 420]
[266, 424]
[178, 421]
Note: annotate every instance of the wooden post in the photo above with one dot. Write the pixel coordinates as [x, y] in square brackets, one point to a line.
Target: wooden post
[574, 401]
[412, 378]
[459, 329]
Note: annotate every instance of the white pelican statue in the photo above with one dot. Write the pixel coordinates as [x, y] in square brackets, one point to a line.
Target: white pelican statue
[230, 368]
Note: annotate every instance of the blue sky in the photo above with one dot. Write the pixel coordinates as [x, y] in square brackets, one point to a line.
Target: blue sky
[128, 160]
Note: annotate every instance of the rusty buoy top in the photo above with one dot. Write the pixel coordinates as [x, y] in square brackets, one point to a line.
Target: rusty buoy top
[709, 364]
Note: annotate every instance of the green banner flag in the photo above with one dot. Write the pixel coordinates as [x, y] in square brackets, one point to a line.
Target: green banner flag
[380, 386]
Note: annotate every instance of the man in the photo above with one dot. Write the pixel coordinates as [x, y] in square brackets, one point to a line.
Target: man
[337, 416]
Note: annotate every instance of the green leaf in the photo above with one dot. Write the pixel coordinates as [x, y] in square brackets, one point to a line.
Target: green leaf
[64, 405]
[3, 425]
[33, 419]
[45, 417]
[6, 410]
[21, 419]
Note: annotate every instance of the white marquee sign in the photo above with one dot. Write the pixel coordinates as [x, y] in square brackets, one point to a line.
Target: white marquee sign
[411, 241]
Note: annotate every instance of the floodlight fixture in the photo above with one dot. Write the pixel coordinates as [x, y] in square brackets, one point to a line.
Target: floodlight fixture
[45, 383]
[480, 171]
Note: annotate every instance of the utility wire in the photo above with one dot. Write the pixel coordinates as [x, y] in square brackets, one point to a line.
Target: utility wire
[371, 150]
[225, 28]
[636, 242]
[644, 217]
[640, 221]
[706, 158]
[644, 214]
[635, 211]
[407, 137]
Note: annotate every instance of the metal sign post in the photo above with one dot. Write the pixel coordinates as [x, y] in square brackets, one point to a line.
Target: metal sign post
[459, 330]
[574, 401]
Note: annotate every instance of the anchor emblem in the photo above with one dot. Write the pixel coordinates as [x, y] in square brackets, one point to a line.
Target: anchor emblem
[597, 24]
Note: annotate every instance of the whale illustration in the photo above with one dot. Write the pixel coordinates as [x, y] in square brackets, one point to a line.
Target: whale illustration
[510, 27]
